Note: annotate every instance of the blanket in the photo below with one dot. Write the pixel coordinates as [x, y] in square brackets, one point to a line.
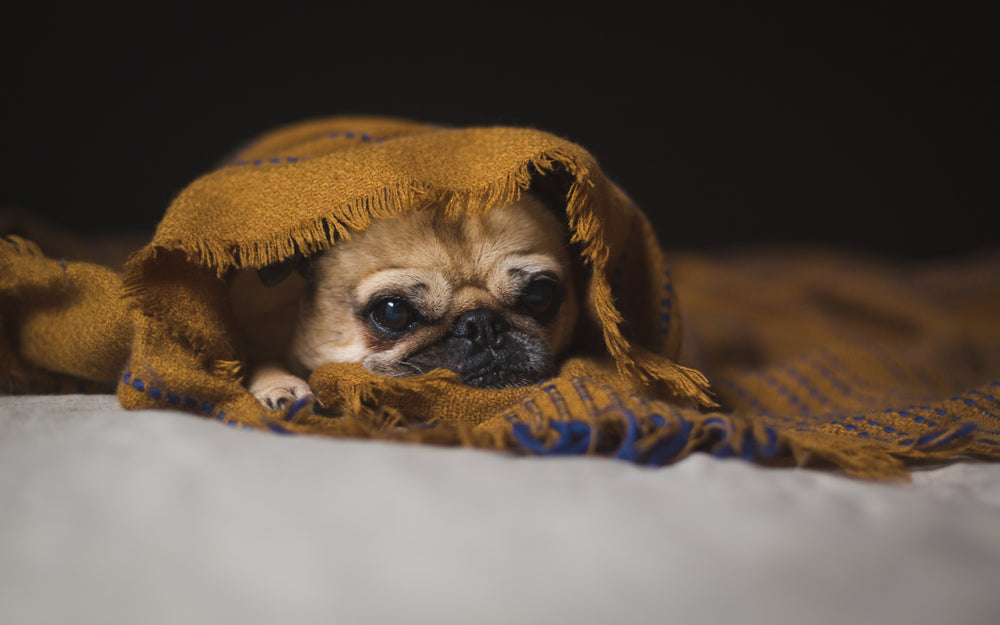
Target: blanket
[810, 358]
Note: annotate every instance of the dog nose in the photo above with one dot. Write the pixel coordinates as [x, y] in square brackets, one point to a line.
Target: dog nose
[483, 327]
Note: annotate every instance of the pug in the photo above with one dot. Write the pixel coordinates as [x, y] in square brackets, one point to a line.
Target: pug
[489, 297]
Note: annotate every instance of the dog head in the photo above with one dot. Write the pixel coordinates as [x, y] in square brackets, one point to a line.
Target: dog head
[489, 297]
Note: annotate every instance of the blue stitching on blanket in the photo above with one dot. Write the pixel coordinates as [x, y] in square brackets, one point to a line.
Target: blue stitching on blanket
[261, 161]
[672, 446]
[297, 407]
[348, 134]
[751, 402]
[156, 393]
[938, 439]
[576, 437]
[783, 389]
[722, 448]
[588, 401]
[666, 307]
[835, 372]
[770, 448]
[573, 437]
[274, 427]
[749, 446]
[667, 448]
[584, 394]
[793, 371]
[190, 403]
[626, 450]
[533, 408]
[557, 400]
[990, 398]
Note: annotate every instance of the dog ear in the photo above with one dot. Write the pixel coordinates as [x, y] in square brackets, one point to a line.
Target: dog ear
[274, 273]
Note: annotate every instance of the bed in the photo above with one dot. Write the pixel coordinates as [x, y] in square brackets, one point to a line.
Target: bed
[110, 516]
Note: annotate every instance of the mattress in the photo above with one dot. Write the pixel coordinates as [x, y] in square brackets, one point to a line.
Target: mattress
[109, 516]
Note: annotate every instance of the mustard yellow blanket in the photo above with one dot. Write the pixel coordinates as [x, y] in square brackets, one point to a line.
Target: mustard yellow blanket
[811, 357]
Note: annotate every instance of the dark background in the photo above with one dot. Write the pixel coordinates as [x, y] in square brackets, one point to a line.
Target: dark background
[854, 128]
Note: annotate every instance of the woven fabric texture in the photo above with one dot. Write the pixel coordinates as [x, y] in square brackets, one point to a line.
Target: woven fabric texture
[811, 357]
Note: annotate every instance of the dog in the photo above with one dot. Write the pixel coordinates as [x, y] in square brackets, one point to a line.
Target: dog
[489, 297]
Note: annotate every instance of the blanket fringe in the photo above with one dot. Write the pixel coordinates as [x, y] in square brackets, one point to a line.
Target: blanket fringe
[341, 220]
[355, 215]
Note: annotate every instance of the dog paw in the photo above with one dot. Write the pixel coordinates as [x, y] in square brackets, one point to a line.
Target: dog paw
[278, 389]
[281, 397]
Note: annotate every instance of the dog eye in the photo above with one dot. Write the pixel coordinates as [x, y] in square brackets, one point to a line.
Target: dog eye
[392, 314]
[540, 296]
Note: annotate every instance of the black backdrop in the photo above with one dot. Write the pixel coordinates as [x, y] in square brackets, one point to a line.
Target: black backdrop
[852, 128]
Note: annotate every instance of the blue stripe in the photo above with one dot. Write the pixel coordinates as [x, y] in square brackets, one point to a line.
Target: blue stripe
[574, 437]
[526, 440]
[938, 439]
[296, 407]
[749, 446]
[770, 448]
[627, 450]
[274, 427]
[670, 447]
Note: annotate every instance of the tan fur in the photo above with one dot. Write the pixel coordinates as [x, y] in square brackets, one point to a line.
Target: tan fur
[444, 266]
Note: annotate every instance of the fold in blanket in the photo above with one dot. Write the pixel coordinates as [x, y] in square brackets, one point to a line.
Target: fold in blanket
[813, 357]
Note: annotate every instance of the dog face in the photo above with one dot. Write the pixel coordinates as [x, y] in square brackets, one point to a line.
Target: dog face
[489, 297]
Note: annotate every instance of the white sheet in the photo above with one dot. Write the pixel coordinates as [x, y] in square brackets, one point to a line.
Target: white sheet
[109, 516]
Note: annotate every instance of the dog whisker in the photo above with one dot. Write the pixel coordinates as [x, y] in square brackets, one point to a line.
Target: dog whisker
[417, 370]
